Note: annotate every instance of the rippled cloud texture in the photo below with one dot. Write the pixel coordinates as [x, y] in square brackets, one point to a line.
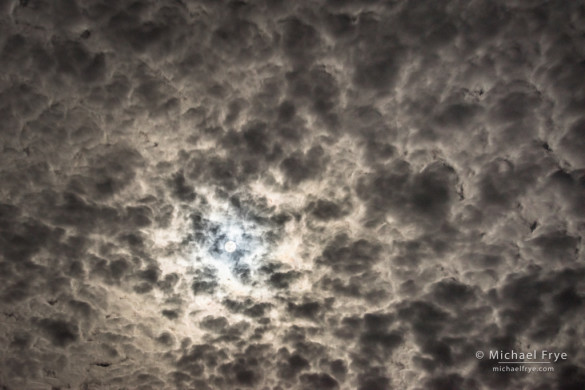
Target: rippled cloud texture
[403, 181]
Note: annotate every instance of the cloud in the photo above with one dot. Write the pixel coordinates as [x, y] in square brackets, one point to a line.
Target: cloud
[403, 182]
[60, 333]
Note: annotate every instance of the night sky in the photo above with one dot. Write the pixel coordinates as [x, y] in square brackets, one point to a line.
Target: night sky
[271, 195]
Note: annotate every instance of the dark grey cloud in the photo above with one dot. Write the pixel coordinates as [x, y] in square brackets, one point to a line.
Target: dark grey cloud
[59, 332]
[343, 255]
[402, 181]
[301, 166]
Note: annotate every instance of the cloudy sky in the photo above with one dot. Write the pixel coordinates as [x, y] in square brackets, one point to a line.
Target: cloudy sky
[399, 184]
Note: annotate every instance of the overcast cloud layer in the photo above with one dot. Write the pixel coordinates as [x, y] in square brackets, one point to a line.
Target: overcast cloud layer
[403, 180]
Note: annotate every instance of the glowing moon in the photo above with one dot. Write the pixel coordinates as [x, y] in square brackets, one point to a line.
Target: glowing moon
[230, 246]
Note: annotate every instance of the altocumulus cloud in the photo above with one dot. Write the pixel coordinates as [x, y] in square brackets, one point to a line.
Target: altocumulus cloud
[402, 180]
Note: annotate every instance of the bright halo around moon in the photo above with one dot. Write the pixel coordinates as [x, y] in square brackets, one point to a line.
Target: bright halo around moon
[230, 246]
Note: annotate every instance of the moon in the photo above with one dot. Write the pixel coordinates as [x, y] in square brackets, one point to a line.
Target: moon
[230, 246]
